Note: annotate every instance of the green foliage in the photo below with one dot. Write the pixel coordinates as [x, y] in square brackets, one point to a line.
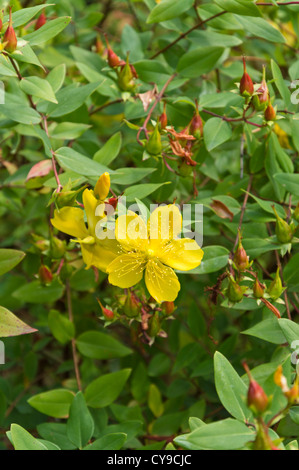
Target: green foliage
[103, 367]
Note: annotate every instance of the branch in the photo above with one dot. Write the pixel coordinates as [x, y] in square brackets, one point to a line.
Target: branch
[158, 98]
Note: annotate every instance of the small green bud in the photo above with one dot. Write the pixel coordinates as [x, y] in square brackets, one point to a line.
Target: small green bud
[258, 289]
[235, 292]
[241, 260]
[283, 230]
[132, 306]
[154, 325]
[154, 144]
[126, 80]
[58, 248]
[275, 289]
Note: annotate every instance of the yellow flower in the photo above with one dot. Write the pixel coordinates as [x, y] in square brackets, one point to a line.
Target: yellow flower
[70, 220]
[154, 249]
[282, 137]
[102, 187]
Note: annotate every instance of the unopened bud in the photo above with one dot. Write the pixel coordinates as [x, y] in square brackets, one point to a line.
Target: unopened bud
[107, 313]
[275, 289]
[45, 275]
[163, 118]
[261, 99]
[58, 248]
[113, 59]
[258, 289]
[241, 260]
[185, 168]
[246, 84]
[168, 307]
[283, 230]
[235, 292]
[154, 325]
[154, 144]
[9, 38]
[102, 187]
[132, 306]
[126, 77]
[41, 21]
[113, 201]
[99, 46]
[257, 399]
[270, 113]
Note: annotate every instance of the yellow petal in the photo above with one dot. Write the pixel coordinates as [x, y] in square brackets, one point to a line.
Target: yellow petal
[184, 254]
[102, 187]
[165, 223]
[99, 256]
[70, 220]
[131, 232]
[126, 270]
[161, 281]
[90, 206]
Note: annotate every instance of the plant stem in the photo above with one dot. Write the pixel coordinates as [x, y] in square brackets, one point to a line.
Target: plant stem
[74, 350]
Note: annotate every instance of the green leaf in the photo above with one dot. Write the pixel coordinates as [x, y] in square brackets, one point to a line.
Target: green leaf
[10, 325]
[48, 31]
[267, 330]
[24, 15]
[34, 292]
[109, 151]
[155, 403]
[289, 181]
[9, 259]
[71, 98]
[56, 77]
[216, 132]
[214, 259]
[168, 9]
[99, 345]
[291, 271]
[69, 159]
[22, 439]
[80, 425]
[38, 87]
[231, 389]
[55, 403]
[113, 441]
[261, 28]
[241, 7]
[199, 61]
[27, 116]
[228, 434]
[280, 83]
[290, 330]
[61, 327]
[56, 433]
[104, 390]
[69, 130]
[141, 191]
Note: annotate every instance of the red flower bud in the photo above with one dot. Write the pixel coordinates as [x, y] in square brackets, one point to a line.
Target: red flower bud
[246, 84]
[163, 118]
[257, 399]
[258, 289]
[168, 307]
[108, 314]
[10, 36]
[113, 201]
[113, 59]
[42, 19]
[45, 274]
[270, 113]
[241, 259]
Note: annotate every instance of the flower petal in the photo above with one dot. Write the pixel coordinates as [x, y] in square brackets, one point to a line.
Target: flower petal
[90, 206]
[161, 281]
[99, 256]
[165, 223]
[126, 270]
[184, 254]
[70, 220]
[131, 232]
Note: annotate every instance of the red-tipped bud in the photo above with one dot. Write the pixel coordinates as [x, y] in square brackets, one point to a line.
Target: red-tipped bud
[45, 274]
[257, 399]
[107, 313]
[261, 99]
[246, 84]
[42, 19]
[270, 113]
[168, 307]
[113, 59]
[241, 260]
[10, 38]
[163, 118]
[258, 289]
[113, 201]
[196, 126]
